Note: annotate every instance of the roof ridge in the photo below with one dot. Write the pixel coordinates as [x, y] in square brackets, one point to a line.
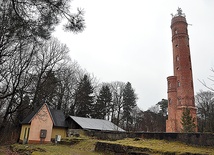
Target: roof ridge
[90, 118]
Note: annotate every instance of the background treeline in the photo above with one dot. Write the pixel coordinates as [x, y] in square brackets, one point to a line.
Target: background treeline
[36, 68]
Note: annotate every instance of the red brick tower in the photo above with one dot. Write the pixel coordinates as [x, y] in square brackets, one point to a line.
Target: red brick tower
[180, 86]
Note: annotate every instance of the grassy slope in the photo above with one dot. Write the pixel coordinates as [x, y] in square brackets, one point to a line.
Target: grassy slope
[86, 147]
[166, 146]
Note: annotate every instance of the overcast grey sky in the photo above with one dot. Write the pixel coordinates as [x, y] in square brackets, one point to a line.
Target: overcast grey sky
[130, 40]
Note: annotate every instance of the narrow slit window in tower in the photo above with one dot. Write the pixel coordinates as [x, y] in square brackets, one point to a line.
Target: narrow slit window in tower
[169, 85]
[179, 100]
[179, 84]
[177, 58]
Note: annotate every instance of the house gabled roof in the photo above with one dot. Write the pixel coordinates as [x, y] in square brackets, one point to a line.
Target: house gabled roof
[28, 119]
[95, 124]
[57, 116]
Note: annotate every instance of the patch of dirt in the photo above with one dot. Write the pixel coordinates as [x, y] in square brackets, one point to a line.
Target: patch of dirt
[26, 150]
[5, 150]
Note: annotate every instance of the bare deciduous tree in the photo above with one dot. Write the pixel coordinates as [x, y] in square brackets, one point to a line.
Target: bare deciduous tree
[117, 89]
[205, 104]
[47, 59]
[211, 79]
[14, 80]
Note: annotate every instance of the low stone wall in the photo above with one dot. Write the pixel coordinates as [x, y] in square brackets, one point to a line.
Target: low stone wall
[201, 139]
[118, 149]
[107, 135]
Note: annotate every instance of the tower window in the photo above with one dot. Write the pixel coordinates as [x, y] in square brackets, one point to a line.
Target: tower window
[170, 101]
[179, 84]
[178, 68]
[179, 100]
[176, 45]
[177, 58]
[169, 85]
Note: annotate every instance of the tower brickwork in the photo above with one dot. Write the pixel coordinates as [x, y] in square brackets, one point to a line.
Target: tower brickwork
[180, 86]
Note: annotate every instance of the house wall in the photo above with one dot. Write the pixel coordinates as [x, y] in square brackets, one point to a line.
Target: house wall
[41, 121]
[24, 132]
[58, 131]
[72, 124]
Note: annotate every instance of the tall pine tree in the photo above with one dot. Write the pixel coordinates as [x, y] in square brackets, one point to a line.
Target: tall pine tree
[83, 98]
[129, 102]
[102, 106]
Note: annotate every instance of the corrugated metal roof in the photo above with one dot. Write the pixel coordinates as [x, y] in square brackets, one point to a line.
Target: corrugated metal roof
[96, 124]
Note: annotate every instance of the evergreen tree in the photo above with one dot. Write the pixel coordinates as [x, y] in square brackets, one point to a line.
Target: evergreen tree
[187, 121]
[48, 90]
[163, 107]
[84, 98]
[38, 18]
[129, 102]
[102, 106]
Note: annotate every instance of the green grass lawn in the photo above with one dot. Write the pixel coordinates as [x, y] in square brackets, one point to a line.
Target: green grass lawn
[86, 146]
[83, 147]
[162, 146]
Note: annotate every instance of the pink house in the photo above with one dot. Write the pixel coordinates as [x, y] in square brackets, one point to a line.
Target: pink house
[42, 125]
